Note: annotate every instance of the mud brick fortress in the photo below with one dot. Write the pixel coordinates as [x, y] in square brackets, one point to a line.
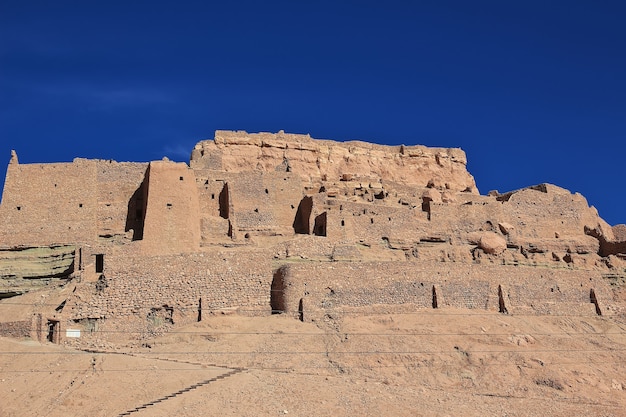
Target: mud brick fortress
[256, 224]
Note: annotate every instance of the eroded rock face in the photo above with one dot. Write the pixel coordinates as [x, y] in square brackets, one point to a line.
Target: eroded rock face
[442, 168]
[37, 262]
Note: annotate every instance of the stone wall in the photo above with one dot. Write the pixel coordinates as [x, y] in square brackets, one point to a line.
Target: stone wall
[16, 329]
[331, 287]
[134, 285]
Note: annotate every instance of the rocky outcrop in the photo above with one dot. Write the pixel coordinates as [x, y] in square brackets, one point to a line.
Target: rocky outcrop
[492, 243]
[36, 262]
[442, 168]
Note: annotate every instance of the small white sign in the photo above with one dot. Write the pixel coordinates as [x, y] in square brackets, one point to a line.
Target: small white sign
[72, 333]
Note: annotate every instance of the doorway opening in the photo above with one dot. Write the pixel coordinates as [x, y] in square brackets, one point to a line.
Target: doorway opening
[99, 263]
[53, 331]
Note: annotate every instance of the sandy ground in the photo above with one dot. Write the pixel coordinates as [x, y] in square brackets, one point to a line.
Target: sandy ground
[429, 363]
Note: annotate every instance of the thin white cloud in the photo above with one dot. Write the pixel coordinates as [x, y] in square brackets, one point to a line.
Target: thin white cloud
[108, 98]
[178, 151]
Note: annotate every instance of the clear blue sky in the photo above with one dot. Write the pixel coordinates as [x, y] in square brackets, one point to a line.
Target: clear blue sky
[533, 91]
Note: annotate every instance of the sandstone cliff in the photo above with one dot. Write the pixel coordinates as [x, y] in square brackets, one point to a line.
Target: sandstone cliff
[443, 168]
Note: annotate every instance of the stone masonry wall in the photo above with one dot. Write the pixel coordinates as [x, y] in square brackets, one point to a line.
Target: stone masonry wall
[333, 286]
[16, 329]
[133, 285]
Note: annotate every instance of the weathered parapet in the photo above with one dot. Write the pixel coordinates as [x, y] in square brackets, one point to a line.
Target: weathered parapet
[46, 204]
[334, 287]
[330, 160]
[68, 203]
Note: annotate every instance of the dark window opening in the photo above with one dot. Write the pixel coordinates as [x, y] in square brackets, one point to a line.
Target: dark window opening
[135, 215]
[212, 196]
[501, 304]
[80, 205]
[277, 293]
[266, 191]
[301, 223]
[60, 307]
[319, 229]
[99, 263]
[230, 229]
[343, 223]
[224, 202]
[19, 208]
[169, 205]
[53, 331]
[181, 178]
[593, 299]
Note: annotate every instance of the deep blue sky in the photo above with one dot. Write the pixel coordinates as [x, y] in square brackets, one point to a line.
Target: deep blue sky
[533, 91]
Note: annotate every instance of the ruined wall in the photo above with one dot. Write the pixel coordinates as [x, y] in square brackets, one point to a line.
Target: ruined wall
[332, 287]
[172, 218]
[134, 286]
[543, 221]
[404, 227]
[120, 196]
[264, 202]
[46, 204]
[315, 159]
[372, 222]
[16, 329]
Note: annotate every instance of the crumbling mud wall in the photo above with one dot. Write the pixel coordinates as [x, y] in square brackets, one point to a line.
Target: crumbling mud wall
[46, 204]
[172, 217]
[121, 198]
[133, 288]
[337, 288]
